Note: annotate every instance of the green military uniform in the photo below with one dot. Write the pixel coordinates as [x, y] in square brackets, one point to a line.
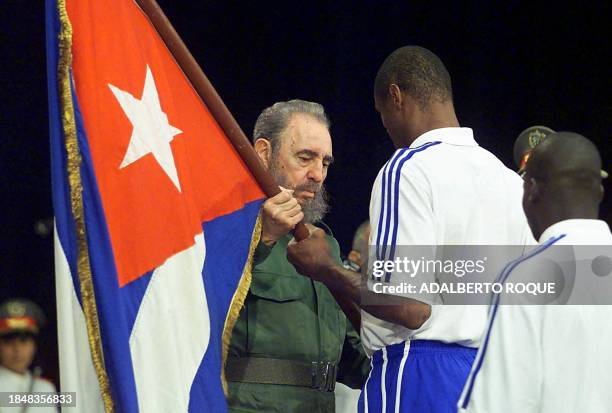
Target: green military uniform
[291, 319]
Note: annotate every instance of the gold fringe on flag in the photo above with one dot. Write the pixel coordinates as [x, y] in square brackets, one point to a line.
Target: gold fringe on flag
[238, 299]
[76, 201]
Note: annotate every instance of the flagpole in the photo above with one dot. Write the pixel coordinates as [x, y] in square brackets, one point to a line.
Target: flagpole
[226, 121]
[213, 101]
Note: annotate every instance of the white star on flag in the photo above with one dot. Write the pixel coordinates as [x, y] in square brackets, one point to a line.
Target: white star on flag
[152, 133]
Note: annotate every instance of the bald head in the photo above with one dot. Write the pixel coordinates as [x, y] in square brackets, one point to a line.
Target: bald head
[562, 181]
[565, 157]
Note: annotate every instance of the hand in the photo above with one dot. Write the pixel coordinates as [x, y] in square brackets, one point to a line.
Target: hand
[281, 213]
[312, 256]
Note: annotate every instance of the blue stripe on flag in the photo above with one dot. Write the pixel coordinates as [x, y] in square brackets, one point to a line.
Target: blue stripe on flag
[131, 298]
[509, 268]
[227, 247]
[64, 220]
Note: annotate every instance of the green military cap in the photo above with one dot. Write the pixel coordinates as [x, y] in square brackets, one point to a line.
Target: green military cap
[529, 139]
[526, 141]
[20, 316]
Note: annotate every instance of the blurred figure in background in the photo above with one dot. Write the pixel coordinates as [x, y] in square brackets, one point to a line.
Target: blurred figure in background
[359, 251]
[20, 323]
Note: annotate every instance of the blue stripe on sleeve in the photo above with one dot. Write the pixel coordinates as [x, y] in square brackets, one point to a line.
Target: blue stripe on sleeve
[389, 178]
[396, 199]
[381, 212]
[493, 312]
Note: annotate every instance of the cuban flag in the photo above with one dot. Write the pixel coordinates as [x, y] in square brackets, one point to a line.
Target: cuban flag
[155, 217]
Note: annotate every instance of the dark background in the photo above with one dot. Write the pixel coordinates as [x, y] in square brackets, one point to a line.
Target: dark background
[514, 64]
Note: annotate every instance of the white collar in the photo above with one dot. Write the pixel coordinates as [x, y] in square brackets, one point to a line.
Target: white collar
[452, 136]
[594, 227]
[13, 375]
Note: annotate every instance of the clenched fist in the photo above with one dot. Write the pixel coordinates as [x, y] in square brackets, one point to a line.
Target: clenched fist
[312, 257]
[281, 213]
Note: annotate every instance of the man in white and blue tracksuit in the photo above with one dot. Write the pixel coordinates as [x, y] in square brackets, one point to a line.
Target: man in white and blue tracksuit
[439, 188]
[553, 358]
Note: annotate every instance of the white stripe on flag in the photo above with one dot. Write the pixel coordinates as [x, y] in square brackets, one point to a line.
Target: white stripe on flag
[171, 332]
[77, 373]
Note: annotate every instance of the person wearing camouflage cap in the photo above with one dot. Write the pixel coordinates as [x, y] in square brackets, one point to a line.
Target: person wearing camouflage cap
[20, 323]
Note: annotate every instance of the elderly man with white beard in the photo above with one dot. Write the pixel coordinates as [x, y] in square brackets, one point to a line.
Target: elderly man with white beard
[292, 340]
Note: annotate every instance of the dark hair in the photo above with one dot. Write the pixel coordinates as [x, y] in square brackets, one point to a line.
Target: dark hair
[416, 71]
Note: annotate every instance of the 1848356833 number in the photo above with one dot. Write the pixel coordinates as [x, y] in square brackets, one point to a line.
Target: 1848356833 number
[37, 399]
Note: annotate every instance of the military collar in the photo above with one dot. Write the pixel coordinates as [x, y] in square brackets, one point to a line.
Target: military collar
[324, 227]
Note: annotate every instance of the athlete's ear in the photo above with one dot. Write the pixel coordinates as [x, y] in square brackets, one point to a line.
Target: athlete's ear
[535, 190]
[395, 96]
[530, 189]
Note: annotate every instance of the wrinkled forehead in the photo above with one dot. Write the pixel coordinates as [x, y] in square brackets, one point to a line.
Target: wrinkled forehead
[305, 132]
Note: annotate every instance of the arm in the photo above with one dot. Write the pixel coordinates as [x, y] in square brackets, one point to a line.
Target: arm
[398, 310]
[414, 225]
[313, 257]
[348, 307]
[280, 214]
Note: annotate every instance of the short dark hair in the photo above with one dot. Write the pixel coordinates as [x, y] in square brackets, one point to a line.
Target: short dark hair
[418, 72]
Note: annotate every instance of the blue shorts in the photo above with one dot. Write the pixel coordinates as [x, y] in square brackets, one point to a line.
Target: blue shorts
[419, 376]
